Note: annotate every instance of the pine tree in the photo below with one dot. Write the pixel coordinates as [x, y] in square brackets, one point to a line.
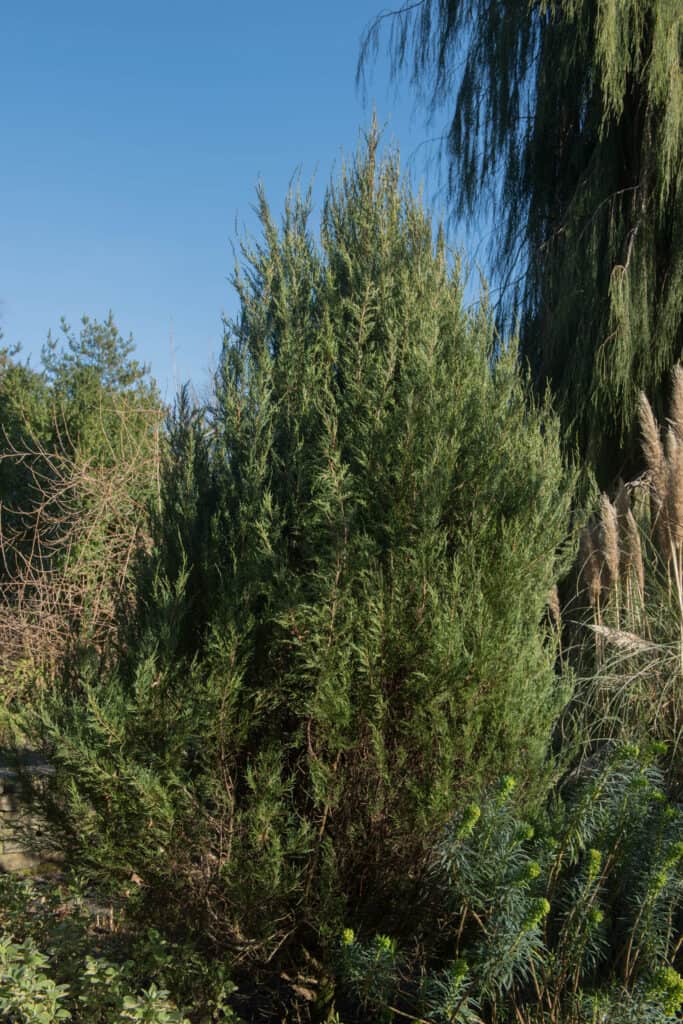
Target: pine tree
[566, 128]
[88, 373]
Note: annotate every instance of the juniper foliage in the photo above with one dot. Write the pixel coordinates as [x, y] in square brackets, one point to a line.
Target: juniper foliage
[340, 628]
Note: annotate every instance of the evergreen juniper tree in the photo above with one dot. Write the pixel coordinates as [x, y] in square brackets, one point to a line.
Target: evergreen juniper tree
[341, 627]
[565, 126]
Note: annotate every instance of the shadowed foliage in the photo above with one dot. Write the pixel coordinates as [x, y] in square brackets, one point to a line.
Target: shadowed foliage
[565, 127]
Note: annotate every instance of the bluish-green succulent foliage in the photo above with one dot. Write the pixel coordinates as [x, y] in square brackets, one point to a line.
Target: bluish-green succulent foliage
[572, 922]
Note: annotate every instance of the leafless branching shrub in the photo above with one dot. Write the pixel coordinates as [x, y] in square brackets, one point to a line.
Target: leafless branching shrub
[65, 560]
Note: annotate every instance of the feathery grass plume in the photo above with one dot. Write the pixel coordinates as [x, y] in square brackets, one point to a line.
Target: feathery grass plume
[674, 493]
[589, 566]
[601, 582]
[652, 448]
[670, 525]
[655, 460]
[634, 660]
[591, 573]
[671, 446]
[554, 605]
[676, 407]
[623, 639]
[609, 531]
[630, 547]
[622, 500]
[633, 549]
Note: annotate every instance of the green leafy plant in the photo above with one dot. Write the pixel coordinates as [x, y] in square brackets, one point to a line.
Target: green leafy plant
[554, 925]
[57, 964]
[28, 995]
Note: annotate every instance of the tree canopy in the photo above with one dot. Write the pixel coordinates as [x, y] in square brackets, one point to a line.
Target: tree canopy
[565, 127]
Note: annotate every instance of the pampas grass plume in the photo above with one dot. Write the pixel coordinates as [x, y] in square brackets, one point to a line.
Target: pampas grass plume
[591, 562]
[554, 604]
[676, 410]
[610, 539]
[635, 551]
[653, 451]
[674, 497]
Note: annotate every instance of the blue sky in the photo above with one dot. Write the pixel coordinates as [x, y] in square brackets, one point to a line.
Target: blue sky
[133, 135]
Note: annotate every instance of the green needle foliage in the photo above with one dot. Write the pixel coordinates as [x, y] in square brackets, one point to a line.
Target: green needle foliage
[568, 117]
[340, 629]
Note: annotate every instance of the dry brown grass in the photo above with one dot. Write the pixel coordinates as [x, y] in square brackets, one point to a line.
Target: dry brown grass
[674, 497]
[590, 568]
[676, 408]
[657, 468]
[633, 562]
[554, 605]
[623, 639]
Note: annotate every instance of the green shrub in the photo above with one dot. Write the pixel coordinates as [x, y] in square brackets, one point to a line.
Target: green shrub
[58, 963]
[340, 632]
[576, 922]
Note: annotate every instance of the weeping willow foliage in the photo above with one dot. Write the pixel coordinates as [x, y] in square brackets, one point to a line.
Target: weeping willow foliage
[566, 130]
[341, 625]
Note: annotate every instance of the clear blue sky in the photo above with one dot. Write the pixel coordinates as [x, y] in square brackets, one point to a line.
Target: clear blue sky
[132, 137]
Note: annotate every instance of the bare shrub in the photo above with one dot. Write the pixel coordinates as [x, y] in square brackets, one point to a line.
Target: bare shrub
[66, 558]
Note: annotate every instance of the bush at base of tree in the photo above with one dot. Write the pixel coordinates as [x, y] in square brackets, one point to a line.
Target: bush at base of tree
[574, 923]
[59, 962]
[340, 628]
